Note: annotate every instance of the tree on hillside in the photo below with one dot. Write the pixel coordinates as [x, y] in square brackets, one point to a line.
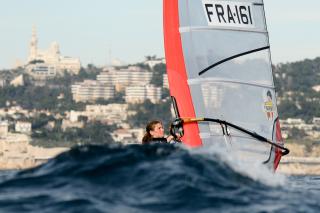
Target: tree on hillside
[294, 81]
[150, 57]
[148, 111]
[157, 77]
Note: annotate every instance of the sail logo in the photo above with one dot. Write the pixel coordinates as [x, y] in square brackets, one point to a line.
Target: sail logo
[268, 106]
[228, 14]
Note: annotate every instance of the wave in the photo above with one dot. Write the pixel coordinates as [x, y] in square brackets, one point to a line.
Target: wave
[133, 178]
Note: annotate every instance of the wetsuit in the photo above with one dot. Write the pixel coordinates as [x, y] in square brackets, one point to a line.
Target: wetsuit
[163, 140]
[158, 140]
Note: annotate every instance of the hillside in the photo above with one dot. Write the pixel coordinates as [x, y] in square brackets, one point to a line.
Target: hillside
[298, 89]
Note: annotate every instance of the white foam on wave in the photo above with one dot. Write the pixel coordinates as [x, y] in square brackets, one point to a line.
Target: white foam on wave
[254, 169]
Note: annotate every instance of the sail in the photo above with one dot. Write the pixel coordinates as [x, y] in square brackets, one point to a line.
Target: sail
[219, 66]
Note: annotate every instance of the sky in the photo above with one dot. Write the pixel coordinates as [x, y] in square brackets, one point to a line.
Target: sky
[98, 31]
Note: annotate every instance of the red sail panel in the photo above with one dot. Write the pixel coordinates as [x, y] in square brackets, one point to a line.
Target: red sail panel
[279, 140]
[176, 70]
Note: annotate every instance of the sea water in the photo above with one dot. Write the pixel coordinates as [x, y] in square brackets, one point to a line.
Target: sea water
[153, 178]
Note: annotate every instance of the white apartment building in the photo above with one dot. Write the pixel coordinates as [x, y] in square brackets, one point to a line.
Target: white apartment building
[138, 94]
[296, 123]
[132, 76]
[66, 124]
[111, 113]
[309, 129]
[120, 78]
[128, 136]
[23, 127]
[74, 115]
[42, 70]
[135, 94]
[106, 77]
[127, 77]
[153, 93]
[138, 77]
[91, 90]
[47, 63]
[14, 110]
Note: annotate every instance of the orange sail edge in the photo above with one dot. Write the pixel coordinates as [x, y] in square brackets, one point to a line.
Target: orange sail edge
[176, 71]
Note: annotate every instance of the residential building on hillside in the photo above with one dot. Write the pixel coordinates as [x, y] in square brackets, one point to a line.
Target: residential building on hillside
[110, 114]
[135, 94]
[42, 71]
[122, 78]
[153, 93]
[14, 110]
[138, 94]
[128, 136]
[106, 77]
[90, 90]
[74, 115]
[66, 124]
[23, 127]
[291, 123]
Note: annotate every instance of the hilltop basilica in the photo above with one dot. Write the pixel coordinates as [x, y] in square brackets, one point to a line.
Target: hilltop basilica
[49, 63]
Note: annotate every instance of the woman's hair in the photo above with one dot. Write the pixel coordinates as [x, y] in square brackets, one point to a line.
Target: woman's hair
[269, 94]
[150, 127]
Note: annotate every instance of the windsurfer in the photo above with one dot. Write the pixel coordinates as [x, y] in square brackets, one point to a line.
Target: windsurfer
[155, 134]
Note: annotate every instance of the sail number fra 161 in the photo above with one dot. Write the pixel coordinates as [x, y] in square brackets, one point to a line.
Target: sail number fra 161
[228, 14]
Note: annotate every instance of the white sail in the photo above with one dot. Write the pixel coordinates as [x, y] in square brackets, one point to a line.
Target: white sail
[226, 54]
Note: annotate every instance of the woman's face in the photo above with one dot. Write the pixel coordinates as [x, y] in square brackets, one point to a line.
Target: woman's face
[158, 131]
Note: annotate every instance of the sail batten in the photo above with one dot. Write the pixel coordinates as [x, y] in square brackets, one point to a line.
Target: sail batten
[220, 80]
[204, 28]
[232, 57]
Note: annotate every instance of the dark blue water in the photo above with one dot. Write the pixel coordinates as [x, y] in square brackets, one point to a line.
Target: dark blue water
[152, 178]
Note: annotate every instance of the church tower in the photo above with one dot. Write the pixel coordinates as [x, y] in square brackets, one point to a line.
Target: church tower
[33, 45]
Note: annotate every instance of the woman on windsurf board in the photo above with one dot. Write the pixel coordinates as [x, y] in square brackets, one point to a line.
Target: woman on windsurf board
[155, 134]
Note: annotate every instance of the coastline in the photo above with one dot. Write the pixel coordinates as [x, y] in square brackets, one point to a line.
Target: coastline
[28, 157]
[302, 160]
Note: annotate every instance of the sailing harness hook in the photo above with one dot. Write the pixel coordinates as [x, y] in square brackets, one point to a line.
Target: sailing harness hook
[176, 128]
